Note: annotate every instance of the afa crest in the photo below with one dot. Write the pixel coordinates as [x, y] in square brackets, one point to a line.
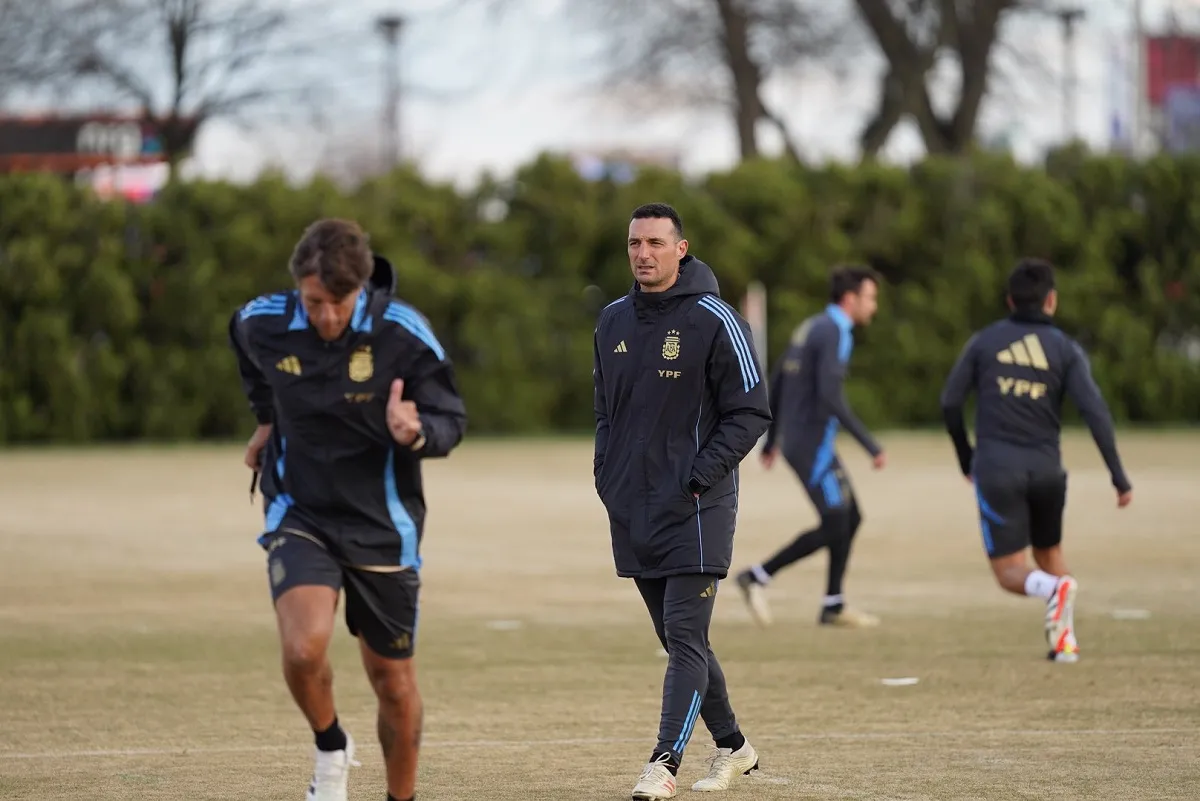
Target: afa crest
[362, 364]
[671, 345]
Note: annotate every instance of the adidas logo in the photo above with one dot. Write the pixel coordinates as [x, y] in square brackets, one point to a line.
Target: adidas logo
[288, 364]
[1026, 352]
[621, 348]
[709, 591]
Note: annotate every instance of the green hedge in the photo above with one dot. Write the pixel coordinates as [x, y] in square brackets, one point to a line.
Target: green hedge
[113, 316]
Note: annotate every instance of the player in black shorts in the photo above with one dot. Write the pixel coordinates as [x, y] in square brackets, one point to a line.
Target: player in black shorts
[351, 391]
[1021, 368]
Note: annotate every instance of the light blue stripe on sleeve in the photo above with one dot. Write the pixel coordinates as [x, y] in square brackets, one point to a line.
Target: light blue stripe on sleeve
[410, 319]
[741, 347]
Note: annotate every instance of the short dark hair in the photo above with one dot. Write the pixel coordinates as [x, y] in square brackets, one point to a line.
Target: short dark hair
[659, 211]
[850, 278]
[338, 252]
[1030, 282]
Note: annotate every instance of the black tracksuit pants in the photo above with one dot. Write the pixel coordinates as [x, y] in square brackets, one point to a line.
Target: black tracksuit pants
[681, 609]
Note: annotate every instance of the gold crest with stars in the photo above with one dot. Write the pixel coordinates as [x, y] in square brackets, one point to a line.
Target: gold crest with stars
[362, 365]
[671, 345]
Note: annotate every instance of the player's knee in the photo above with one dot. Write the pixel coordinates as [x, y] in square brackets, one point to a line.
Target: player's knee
[304, 654]
[686, 643]
[1010, 571]
[836, 525]
[395, 684]
[855, 518]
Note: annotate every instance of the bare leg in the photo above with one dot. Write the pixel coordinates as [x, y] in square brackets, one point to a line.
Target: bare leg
[305, 616]
[400, 718]
[1051, 560]
[1011, 571]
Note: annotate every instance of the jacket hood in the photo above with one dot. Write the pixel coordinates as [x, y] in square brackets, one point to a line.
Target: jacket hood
[695, 278]
[383, 277]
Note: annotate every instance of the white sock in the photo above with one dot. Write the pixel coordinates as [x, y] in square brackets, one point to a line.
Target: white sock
[833, 600]
[760, 575]
[1039, 584]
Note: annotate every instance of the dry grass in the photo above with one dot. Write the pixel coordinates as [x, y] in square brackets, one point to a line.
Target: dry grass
[138, 656]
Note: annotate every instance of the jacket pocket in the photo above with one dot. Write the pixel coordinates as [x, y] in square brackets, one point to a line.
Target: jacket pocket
[601, 479]
[609, 467]
[612, 486]
[605, 483]
[681, 469]
[718, 494]
[666, 515]
[687, 491]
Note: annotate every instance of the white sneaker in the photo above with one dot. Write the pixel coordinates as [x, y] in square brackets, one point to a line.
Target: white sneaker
[1060, 621]
[755, 596]
[725, 765]
[332, 773]
[656, 781]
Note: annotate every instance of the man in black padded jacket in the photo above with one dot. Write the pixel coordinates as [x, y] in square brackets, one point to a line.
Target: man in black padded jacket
[679, 402]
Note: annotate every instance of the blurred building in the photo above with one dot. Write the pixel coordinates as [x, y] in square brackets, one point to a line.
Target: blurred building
[1173, 90]
[116, 155]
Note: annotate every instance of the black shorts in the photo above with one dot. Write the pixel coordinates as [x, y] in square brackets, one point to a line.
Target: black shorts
[827, 484]
[381, 607]
[1019, 508]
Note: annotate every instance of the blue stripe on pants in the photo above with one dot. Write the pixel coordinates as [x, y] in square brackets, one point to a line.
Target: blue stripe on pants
[825, 453]
[688, 724]
[832, 489]
[987, 516]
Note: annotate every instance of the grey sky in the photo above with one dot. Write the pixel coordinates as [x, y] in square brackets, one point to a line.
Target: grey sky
[483, 93]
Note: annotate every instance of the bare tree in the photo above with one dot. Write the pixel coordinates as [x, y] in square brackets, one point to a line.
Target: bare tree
[697, 53]
[721, 52]
[181, 63]
[917, 37]
[24, 39]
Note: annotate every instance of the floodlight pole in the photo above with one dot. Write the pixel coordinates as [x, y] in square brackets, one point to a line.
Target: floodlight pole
[1069, 17]
[389, 26]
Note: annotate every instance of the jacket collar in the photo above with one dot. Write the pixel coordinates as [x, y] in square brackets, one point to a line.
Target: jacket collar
[839, 316]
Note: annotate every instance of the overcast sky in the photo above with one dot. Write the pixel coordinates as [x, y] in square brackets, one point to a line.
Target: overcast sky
[488, 94]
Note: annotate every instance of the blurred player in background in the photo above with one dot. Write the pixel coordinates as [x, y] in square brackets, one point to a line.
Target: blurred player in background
[351, 391]
[807, 406]
[678, 403]
[1021, 368]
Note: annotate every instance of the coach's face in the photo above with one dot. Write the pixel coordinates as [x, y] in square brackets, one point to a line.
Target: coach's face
[328, 314]
[655, 252]
[865, 303]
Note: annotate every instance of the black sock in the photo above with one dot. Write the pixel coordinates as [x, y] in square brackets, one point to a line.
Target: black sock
[670, 761]
[807, 543]
[393, 798]
[732, 741]
[332, 739]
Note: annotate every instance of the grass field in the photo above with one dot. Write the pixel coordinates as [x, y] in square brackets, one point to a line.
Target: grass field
[138, 657]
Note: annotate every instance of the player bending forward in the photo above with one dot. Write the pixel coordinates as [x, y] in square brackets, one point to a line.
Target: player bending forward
[351, 391]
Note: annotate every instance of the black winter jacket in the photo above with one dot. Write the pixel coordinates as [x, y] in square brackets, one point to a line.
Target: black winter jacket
[679, 402]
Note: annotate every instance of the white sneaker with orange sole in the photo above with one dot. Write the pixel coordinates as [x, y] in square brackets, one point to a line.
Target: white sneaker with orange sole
[1060, 622]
